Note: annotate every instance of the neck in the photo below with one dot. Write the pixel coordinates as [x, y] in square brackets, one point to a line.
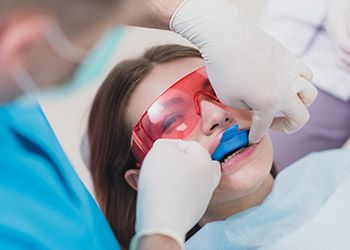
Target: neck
[229, 208]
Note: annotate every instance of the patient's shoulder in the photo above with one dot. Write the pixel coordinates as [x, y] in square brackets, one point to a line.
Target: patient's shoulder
[324, 161]
[320, 169]
[339, 156]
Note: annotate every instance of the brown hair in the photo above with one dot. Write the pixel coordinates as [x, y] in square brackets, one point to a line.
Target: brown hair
[110, 135]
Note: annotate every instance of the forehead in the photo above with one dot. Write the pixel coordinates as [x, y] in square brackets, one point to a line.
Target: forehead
[155, 83]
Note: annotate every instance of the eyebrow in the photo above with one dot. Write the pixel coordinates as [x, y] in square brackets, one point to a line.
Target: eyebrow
[172, 101]
[176, 100]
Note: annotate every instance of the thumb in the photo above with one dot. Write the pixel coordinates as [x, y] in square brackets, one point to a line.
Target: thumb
[261, 123]
[305, 71]
[216, 168]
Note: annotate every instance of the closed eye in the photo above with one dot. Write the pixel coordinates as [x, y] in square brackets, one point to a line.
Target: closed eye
[170, 121]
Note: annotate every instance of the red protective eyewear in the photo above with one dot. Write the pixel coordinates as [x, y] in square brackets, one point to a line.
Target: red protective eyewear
[174, 114]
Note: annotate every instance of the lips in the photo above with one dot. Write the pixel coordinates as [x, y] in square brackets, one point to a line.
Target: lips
[233, 162]
[229, 155]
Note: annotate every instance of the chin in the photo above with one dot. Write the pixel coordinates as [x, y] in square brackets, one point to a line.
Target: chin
[248, 177]
[238, 187]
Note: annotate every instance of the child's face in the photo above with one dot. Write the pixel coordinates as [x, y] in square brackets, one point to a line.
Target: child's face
[243, 173]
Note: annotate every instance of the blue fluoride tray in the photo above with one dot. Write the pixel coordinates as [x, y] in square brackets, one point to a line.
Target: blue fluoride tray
[231, 140]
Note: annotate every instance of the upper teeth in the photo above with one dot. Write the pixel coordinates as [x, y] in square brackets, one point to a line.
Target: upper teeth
[233, 154]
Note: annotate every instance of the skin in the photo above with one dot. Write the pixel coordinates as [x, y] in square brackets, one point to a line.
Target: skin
[243, 184]
[23, 44]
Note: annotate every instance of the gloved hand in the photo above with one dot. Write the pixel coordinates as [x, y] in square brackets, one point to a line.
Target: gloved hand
[246, 66]
[338, 27]
[175, 186]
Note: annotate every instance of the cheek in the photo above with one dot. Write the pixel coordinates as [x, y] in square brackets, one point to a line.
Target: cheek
[247, 179]
[198, 136]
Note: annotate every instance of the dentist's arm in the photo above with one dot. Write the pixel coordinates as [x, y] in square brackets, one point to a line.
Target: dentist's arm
[176, 183]
[247, 67]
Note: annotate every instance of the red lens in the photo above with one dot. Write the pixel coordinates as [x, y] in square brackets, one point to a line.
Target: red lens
[174, 114]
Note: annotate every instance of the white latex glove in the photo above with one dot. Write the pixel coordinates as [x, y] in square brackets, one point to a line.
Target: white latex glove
[176, 183]
[246, 66]
[338, 21]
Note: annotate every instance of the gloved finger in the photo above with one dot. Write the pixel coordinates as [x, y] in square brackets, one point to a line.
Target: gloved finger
[216, 171]
[186, 147]
[344, 42]
[296, 115]
[343, 55]
[160, 143]
[343, 65]
[164, 146]
[261, 123]
[192, 147]
[182, 145]
[198, 151]
[239, 104]
[343, 60]
[306, 91]
[305, 71]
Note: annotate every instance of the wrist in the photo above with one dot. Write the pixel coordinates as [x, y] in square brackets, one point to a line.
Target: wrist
[155, 241]
[161, 12]
[149, 14]
[158, 242]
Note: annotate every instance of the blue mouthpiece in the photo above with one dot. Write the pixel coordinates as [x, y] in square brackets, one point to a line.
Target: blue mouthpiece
[231, 140]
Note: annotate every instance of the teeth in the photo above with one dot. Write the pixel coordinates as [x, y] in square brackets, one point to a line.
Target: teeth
[233, 154]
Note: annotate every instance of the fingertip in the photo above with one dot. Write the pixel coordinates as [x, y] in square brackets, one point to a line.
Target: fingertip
[306, 72]
[217, 173]
[288, 131]
[253, 138]
[160, 141]
[297, 116]
[261, 123]
[194, 148]
[254, 134]
[306, 91]
[184, 146]
[216, 164]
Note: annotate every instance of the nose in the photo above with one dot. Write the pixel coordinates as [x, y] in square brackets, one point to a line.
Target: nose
[214, 117]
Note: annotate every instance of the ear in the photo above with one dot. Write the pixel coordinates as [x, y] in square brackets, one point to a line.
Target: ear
[18, 34]
[131, 177]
